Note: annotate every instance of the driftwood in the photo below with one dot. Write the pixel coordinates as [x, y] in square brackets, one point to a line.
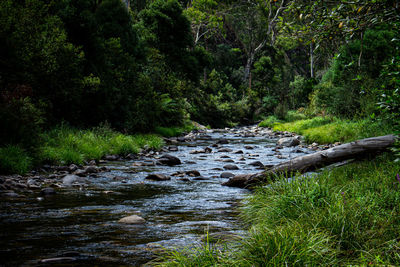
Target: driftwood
[316, 160]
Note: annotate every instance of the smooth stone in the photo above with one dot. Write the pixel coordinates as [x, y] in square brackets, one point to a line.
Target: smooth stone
[249, 147]
[133, 219]
[48, 191]
[69, 179]
[225, 157]
[223, 141]
[231, 167]
[193, 173]
[158, 177]
[239, 152]
[225, 150]
[228, 160]
[289, 141]
[226, 175]
[90, 169]
[200, 179]
[256, 163]
[239, 180]
[169, 160]
[111, 157]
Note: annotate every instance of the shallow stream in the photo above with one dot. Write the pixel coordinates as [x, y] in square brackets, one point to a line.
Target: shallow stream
[81, 221]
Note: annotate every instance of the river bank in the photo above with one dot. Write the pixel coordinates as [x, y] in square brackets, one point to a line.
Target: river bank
[347, 215]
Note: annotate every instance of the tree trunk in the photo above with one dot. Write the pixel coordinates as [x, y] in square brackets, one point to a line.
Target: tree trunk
[312, 59]
[316, 160]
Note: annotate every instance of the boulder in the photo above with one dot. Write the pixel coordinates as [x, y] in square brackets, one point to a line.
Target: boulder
[231, 167]
[239, 180]
[239, 152]
[289, 141]
[169, 160]
[226, 175]
[70, 179]
[223, 141]
[158, 177]
[111, 157]
[133, 219]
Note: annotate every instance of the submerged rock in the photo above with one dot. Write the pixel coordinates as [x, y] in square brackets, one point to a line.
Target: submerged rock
[158, 177]
[48, 191]
[133, 219]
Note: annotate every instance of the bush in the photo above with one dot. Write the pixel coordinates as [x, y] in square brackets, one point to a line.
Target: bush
[281, 111]
[20, 121]
[14, 159]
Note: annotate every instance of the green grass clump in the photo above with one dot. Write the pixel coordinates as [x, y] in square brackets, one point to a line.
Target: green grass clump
[269, 122]
[14, 159]
[330, 129]
[64, 145]
[346, 216]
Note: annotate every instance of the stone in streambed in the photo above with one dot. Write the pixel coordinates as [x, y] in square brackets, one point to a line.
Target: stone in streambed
[239, 180]
[48, 191]
[193, 173]
[169, 160]
[226, 175]
[231, 167]
[289, 141]
[133, 219]
[70, 179]
[225, 150]
[158, 177]
[257, 163]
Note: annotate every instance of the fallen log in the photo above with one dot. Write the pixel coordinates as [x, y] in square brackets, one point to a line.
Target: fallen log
[316, 160]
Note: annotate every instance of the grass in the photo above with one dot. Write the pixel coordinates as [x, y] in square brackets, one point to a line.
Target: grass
[64, 145]
[327, 129]
[14, 159]
[346, 216]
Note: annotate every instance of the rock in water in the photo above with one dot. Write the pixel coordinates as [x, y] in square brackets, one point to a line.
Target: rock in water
[226, 175]
[289, 141]
[48, 191]
[70, 179]
[169, 160]
[133, 219]
[158, 177]
[231, 167]
[193, 173]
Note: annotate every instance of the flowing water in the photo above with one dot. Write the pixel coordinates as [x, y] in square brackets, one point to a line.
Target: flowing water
[82, 221]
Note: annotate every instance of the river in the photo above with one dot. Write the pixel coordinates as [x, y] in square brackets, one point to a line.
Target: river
[80, 222]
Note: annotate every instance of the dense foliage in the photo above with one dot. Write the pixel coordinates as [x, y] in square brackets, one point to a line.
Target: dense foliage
[159, 63]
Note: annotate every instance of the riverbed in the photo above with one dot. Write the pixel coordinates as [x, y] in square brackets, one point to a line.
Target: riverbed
[79, 224]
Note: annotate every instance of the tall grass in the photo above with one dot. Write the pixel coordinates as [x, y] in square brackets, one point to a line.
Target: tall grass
[14, 159]
[346, 216]
[65, 145]
[330, 129]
